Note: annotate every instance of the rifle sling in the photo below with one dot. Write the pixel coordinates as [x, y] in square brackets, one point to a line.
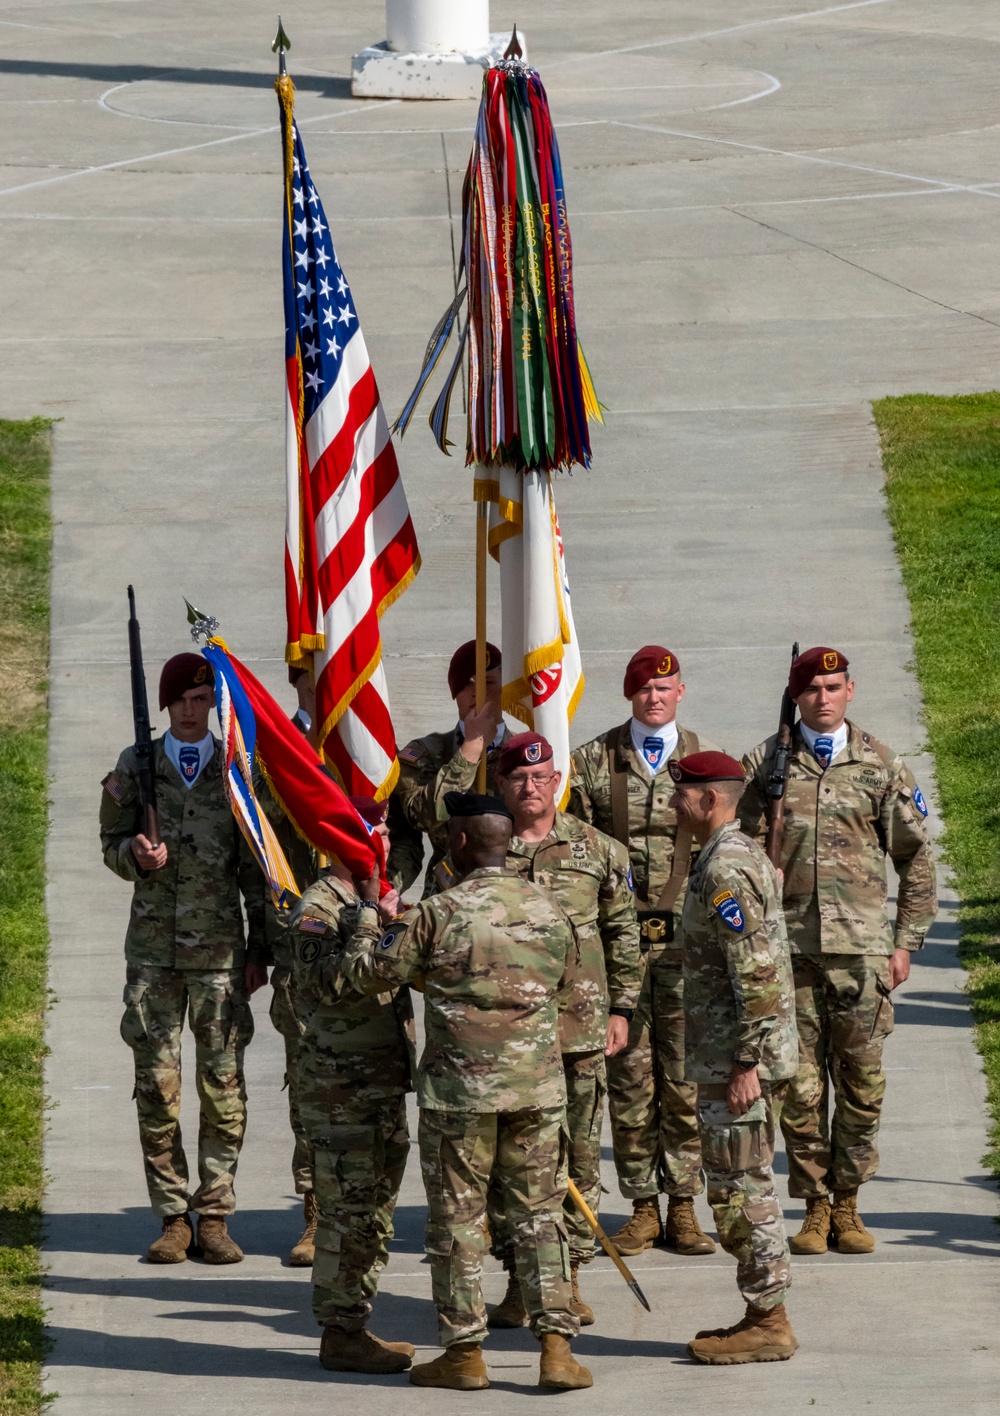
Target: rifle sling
[619, 815]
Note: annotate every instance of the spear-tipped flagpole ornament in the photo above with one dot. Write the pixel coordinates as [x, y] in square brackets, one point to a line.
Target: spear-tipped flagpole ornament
[279, 44]
[529, 394]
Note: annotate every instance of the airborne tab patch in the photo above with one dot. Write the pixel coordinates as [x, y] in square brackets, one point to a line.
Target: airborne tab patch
[729, 910]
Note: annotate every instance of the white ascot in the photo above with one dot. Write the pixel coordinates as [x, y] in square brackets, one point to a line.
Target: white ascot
[644, 740]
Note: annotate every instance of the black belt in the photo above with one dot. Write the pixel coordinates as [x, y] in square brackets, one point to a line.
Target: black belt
[654, 928]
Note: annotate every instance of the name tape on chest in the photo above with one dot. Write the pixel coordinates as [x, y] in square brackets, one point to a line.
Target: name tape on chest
[729, 911]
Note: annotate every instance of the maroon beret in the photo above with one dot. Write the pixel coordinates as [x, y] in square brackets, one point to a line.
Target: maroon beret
[182, 672]
[649, 662]
[463, 664]
[805, 668]
[372, 812]
[523, 750]
[706, 767]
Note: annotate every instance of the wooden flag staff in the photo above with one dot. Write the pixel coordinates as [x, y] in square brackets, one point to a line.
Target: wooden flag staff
[482, 533]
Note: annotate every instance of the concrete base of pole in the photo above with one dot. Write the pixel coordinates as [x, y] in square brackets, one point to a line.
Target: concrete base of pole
[380, 72]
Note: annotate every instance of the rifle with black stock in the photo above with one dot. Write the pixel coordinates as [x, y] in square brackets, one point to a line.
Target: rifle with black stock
[143, 734]
[777, 779]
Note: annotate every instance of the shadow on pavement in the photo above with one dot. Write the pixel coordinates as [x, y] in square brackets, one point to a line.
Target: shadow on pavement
[329, 86]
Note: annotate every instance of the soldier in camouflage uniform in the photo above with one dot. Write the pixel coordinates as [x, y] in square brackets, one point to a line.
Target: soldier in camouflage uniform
[588, 875]
[186, 952]
[492, 952]
[620, 785]
[444, 762]
[353, 1073]
[849, 803]
[740, 1048]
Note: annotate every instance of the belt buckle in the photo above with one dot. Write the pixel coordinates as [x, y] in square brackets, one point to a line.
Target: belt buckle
[653, 929]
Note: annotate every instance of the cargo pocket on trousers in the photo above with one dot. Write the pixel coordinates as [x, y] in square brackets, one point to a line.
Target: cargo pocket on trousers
[133, 1023]
[732, 1144]
[885, 1015]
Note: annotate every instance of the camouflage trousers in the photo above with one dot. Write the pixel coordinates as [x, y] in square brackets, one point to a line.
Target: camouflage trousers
[844, 1013]
[359, 1166]
[586, 1087]
[156, 1001]
[285, 1018]
[654, 1121]
[524, 1153]
[738, 1155]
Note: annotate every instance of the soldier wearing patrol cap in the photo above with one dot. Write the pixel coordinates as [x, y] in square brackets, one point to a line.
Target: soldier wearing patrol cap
[849, 803]
[620, 784]
[187, 953]
[444, 762]
[739, 1047]
[587, 873]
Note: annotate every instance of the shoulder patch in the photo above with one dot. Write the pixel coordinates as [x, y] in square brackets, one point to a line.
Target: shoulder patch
[918, 801]
[631, 881]
[309, 924]
[116, 790]
[388, 940]
[309, 950]
[410, 754]
[729, 910]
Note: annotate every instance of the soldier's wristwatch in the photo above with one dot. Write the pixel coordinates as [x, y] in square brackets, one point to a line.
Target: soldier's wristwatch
[747, 1066]
[627, 1013]
[368, 905]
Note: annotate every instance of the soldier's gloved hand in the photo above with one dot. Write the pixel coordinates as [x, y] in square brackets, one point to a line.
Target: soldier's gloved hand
[146, 855]
[899, 967]
[254, 977]
[368, 889]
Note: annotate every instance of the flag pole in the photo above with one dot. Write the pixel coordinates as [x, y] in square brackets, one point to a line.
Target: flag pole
[482, 530]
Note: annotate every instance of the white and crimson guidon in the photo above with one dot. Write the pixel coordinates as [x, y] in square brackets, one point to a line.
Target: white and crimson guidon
[350, 547]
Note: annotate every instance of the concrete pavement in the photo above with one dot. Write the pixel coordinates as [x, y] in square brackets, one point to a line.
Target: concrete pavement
[779, 213]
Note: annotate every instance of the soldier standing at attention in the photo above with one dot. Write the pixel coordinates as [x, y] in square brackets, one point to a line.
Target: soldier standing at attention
[492, 952]
[587, 874]
[353, 1072]
[186, 953]
[621, 786]
[740, 1048]
[444, 762]
[849, 803]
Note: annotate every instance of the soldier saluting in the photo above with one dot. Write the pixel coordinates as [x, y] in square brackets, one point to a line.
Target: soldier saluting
[621, 785]
[186, 953]
[849, 803]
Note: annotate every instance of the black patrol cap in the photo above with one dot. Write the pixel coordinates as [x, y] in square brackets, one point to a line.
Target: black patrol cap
[473, 804]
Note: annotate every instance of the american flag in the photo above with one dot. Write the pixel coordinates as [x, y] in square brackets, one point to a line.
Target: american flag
[350, 547]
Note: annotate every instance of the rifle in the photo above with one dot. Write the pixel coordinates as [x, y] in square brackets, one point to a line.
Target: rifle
[143, 735]
[778, 778]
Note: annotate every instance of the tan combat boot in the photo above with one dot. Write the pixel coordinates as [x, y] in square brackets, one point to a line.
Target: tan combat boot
[458, 1368]
[848, 1227]
[362, 1351]
[305, 1250]
[764, 1335]
[642, 1230]
[577, 1306]
[682, 1231]
[510, 1312]
[559, 1370]
[814, 1236]
[173, 1243]
[214, 1242]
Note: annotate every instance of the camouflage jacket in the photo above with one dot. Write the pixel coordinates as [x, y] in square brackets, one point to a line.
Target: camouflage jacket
[839, 827]
[652, 826]
[588, 875]
[366, 1034]
[428, 767]
[739, 998]
[187, 915]
[492, 952]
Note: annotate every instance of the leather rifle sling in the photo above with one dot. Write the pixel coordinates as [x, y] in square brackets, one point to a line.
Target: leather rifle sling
[619, 785]
[682, 851]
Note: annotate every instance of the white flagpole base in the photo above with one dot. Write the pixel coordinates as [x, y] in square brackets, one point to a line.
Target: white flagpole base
[381, 72]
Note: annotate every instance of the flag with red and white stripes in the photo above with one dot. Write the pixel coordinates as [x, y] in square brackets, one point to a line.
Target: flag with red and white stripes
[350, 547]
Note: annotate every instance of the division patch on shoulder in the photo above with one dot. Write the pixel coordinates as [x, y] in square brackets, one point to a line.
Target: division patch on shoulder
[116, 789]
[309, 950]
[309, 924]
[918, 801]
[729, 910]
[388, 940]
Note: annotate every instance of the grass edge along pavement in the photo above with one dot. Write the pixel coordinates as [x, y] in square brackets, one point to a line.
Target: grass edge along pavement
[942, 483]
[25, 558]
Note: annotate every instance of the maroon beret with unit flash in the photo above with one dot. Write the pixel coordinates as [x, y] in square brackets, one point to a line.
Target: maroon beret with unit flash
[463, 665]
[371, 811]
[649, 662]
[807, 666]
[524, 750]
[182, 672]
[704, 768]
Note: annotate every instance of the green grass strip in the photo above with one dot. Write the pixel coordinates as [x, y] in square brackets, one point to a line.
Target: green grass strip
[25, 559]
[942, 464]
